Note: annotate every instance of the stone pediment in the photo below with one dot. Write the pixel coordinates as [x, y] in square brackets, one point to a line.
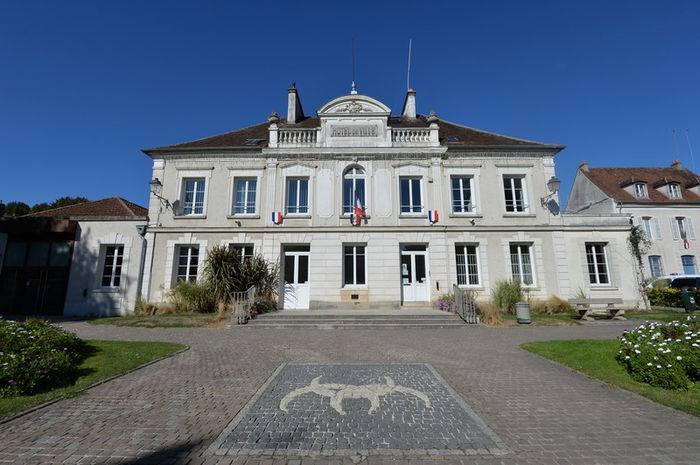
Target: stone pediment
[354, 105]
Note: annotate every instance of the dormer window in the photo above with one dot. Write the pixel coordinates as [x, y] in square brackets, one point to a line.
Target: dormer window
[674, 191]
[640, 190]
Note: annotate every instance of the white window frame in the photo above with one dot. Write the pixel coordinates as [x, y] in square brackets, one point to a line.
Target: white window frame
[606, 264]
[695, 264]
[355, 284]
[354, 177]
[682, 226]
[113, 270]
[247, 173]
[246, 194]
[511, 187]
[242, 247]
[463, 248]
[659, 264]
[519, 256]
[297, 179]
[410, 195]
[178, 253]
[640, 190]
[674, 191]
[472, 206]
[189, 174]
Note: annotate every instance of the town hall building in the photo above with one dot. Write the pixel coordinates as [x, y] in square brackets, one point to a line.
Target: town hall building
[366, 208]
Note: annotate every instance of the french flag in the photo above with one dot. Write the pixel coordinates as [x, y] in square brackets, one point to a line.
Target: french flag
[277, 217]
[433, 216]
[356, 217]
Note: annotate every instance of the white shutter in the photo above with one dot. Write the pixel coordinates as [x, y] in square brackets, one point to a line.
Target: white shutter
[689, 225]
[674, 229]
[657, 228]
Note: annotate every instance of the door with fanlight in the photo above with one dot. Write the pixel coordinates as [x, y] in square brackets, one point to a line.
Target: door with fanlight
[415, 274]
[296, 277]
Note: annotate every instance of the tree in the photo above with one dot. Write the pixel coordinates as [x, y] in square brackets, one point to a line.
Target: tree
[16, 209]
[66, 201]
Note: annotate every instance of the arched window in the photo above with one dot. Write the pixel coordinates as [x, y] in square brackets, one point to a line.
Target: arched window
[354, 189]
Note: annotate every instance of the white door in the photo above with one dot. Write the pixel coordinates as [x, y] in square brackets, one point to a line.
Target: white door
[415, 282]
[296, 277]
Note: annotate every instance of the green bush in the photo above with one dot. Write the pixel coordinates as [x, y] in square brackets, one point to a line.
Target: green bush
[663, 354]
[226, 272]
[36, 357]
[263, 306]
[666, 297]
[506, 294]
[191, 297]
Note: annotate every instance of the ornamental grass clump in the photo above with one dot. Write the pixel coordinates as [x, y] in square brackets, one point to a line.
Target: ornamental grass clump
[663, 354]
[36, 356]
[506, 294]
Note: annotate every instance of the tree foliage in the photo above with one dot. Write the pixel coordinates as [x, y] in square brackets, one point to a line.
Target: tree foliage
[16, 208]
[638, 244]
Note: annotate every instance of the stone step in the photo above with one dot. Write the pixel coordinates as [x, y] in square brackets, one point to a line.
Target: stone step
[348, 325]
[358, 317]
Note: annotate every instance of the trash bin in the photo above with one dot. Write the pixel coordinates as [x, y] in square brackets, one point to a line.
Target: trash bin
[688, 298]
[522, 310]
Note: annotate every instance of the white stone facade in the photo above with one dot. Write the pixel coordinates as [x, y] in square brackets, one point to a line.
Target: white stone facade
[396, 235]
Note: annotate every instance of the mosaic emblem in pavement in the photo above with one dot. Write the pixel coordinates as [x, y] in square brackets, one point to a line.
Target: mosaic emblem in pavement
[356, 409]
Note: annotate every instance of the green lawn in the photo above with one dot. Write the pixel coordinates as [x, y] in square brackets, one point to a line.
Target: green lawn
[173, 320]
[596, 358]
[105, 359]
[660, 315]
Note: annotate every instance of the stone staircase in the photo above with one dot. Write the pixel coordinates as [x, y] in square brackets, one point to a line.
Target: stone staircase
[354, 319]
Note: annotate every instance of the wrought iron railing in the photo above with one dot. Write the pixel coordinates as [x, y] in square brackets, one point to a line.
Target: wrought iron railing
[242, 302]
[465, 300]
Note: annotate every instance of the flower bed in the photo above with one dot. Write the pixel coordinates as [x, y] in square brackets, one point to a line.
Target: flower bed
[446, 303]
[36, 356]
[663, 354]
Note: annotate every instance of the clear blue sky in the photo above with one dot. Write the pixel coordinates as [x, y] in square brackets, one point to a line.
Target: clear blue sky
[85, 85]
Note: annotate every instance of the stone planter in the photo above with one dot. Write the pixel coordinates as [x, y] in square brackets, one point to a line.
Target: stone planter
[522, 310]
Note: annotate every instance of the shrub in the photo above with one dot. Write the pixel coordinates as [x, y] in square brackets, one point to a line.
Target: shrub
[490, 314]
[506, 294]
[36, 357]
[665, 297]
[663, 354]
[551, 306]
[226, 272]
[446, 303]
[190, 297]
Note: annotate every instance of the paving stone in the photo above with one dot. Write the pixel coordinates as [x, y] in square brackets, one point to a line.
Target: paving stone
[171, 412]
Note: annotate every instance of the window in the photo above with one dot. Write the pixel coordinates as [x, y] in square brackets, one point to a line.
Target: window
[521, 263]
[193, 196]
[354, 265]
[297, 196]
[514, 188]
[467, 265]
[674, 191]
[650, 227]
[656, 266]
[244, 250]
[462, 194]
[112, 269]
[688, 262]
[188, 261]
[682, 228]
[410, 194]
[353, 189]
[640, 190]
[244, 200]
[597, 264]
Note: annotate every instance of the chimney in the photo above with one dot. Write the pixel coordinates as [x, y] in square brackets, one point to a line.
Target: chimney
[677, 165]
[409, 105]
[294, 110]
[583, 166]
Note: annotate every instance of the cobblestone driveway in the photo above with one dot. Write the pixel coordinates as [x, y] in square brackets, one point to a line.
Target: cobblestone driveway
[172, 411]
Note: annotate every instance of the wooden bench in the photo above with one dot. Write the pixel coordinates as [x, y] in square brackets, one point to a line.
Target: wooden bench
[601, 306]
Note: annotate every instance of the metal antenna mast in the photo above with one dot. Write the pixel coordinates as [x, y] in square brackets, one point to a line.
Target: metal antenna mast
[408, 72]
[353, 91]
[690, 149]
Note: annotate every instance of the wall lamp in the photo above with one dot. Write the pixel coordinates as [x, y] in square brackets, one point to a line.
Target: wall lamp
[553, 185]
[156, 189]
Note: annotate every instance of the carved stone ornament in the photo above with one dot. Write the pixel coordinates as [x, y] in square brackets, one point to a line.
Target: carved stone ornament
[352, 107]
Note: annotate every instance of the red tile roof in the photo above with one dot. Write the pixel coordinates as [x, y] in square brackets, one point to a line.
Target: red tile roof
[612, 180]
[451, 134]
[112, 207]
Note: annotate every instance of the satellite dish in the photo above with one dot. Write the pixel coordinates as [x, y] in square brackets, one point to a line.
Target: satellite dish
[553, 207]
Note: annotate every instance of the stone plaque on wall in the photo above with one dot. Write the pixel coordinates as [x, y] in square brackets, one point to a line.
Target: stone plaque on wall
[382, 193]
[324, 193]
